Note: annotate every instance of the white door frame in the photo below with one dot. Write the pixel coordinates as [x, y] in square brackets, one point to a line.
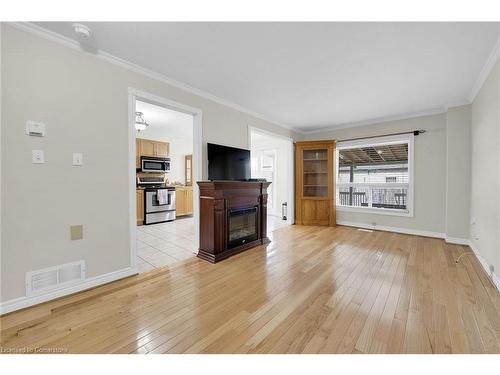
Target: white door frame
[290, 168]
[133, 95]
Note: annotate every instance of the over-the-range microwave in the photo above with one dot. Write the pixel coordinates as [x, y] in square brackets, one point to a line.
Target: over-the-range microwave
[152, 164]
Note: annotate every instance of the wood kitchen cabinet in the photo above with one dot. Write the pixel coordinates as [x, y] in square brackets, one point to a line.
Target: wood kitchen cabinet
[188, 169]
[183, 200]
[161, 149]
[138, 153]
[146, 147]
[189, 201]
[139, 195]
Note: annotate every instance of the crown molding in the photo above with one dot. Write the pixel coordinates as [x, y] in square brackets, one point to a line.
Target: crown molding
[485, 72]
[456, 104]
[68, 42]
[403, 116]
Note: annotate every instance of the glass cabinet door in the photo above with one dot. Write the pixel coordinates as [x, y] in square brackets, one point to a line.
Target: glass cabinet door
[188, 170]
[315, 169]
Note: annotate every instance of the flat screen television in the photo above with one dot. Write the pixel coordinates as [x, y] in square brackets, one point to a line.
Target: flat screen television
[228, 163]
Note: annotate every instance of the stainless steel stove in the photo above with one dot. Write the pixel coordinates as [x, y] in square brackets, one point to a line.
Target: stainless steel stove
[159, 205]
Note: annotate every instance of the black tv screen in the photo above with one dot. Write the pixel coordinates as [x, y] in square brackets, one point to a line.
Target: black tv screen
[228, 163]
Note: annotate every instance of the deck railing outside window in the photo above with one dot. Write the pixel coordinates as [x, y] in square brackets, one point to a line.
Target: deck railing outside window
[374, 176]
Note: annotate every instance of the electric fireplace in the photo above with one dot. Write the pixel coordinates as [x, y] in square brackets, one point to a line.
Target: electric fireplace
[242, 226]
[233, 217]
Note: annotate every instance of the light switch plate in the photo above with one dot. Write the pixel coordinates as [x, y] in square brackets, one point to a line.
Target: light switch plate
[37, 157]
[77, 158]
[76, 232]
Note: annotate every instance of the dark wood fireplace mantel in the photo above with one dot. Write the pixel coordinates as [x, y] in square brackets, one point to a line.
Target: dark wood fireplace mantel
[233, 217]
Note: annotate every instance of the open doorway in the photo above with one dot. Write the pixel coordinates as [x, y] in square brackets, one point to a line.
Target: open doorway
[165, 171]
[272, 159]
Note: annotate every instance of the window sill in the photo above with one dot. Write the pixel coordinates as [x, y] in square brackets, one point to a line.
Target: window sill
[377, 211]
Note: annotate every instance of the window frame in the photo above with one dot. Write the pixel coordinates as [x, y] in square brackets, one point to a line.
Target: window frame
[393, 139]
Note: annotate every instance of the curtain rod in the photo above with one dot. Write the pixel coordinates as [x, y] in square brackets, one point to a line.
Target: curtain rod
[414, 132]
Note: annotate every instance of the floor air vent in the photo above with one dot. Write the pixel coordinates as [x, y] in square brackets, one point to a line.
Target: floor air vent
[56, 277]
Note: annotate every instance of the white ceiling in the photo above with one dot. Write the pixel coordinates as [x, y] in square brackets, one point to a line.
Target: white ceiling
[164, 124]
[309, 75]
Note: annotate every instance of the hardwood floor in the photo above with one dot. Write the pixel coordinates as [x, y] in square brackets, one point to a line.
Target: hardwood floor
[311, 290]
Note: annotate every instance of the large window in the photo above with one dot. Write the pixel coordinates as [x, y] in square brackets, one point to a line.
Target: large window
[375, 175]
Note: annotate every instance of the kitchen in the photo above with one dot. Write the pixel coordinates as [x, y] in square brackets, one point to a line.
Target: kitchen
[164, 190]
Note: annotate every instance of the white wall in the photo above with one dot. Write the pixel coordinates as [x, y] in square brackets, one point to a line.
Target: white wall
[429, 173]
[458, 176]
[84, 102]
[485, 171]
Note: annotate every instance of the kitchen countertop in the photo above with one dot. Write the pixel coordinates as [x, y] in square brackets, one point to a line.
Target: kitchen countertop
[167, 186]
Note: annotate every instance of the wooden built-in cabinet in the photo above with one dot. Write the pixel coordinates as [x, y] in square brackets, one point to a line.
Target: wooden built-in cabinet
[183, 200]
[147, 147]
[315, 183]
[139, 195]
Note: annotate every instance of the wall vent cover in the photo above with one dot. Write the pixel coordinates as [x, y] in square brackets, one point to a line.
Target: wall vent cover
[56, 277]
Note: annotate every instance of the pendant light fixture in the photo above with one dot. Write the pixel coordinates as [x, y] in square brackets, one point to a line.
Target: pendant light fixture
[140, 123]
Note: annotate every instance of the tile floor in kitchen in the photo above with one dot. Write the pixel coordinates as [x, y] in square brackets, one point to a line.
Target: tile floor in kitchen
[163, 244]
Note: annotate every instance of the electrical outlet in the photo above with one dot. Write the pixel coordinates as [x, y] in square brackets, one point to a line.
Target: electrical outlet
[37, 157]
[76, 232]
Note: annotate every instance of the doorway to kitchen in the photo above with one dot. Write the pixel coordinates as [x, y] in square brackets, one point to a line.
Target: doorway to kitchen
[167, 145]
[272, 159]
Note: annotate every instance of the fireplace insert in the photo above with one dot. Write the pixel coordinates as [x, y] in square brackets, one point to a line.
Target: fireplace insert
[242, 226]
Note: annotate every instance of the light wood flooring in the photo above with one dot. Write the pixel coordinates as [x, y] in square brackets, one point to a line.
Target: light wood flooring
[311, 290]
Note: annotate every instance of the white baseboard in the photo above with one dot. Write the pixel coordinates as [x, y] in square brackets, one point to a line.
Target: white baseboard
[23, 302]
[458, 241]
[392, 229]
[494, 278]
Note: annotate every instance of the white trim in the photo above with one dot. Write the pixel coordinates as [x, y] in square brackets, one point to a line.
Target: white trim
[395, 185]
[370, 141]
[68, 42]
[290, 167]
[391, 139]
[23, 302]
[197, 114]
[484, 264]
[1, 131]
[460, 103]
[375, 210]
[414, 232]
[485, 72]
[403, 116]
[457, 240]
[291, 181]
[132, 195]
[54, 37]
